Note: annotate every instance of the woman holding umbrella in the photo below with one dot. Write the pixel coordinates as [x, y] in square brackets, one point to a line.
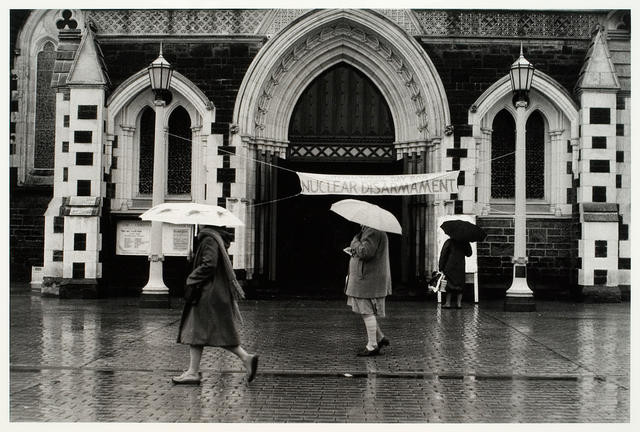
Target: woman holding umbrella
[212, 291]
[211, 308]
[368, 283]
[452, 265]
[369, 278]
[452, 256]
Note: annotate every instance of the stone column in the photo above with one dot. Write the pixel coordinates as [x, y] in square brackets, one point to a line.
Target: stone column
[155, 293]
[519, 295]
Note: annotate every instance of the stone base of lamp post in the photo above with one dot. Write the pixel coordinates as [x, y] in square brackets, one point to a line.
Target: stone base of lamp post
[519, 304]
[519, 295]
[155, 294]
[157, 300]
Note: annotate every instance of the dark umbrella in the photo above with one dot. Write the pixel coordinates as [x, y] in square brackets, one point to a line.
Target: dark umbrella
[463, 231]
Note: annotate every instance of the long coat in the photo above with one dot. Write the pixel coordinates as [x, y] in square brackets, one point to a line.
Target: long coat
[452, 261]
[369, 269]
[210, 321]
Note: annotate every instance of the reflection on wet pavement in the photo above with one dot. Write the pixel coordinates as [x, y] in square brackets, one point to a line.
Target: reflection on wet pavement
[108, 360]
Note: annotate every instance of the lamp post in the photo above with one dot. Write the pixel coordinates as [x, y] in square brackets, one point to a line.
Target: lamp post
[155, 293]
[519, 295]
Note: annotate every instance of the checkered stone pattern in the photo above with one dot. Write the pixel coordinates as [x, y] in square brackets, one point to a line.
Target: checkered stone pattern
[597, 192]
[623, 190]
[459, 154]
[96, 360]
[73, 240]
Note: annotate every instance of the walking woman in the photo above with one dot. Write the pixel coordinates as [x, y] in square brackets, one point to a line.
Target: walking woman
[452, 265]
[368, 283]
[211, 310]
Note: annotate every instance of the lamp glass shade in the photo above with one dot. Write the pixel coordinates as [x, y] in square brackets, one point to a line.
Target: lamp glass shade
[160, 72]
[521, 75]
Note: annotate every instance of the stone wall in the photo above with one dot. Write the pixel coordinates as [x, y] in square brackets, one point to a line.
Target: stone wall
[468, 69]
[549, 250]
[216, 68]
[26, 230]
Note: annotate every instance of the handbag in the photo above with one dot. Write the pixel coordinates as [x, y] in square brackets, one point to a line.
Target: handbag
[437, 283]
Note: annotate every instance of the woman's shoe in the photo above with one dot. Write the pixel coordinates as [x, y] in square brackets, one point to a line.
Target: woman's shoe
[383, 342]
[187, 379]
[369, 353]
[253, 368]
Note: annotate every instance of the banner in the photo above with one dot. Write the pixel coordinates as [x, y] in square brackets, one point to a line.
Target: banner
[403, 184]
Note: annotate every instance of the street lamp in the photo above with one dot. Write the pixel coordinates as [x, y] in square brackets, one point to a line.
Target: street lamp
[155, 293]
[519, 295]
[160, 73]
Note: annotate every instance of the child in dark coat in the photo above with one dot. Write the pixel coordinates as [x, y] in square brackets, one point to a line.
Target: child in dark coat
[452, 265]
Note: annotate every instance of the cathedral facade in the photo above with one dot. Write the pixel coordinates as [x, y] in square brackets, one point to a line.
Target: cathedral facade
[257, 95]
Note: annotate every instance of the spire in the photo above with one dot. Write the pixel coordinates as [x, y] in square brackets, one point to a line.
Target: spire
[598, 71]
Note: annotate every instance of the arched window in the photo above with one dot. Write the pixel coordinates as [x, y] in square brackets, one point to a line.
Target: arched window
[535, 155]
[45, 109]
[145, 165]
[503, 139]
[179, 153]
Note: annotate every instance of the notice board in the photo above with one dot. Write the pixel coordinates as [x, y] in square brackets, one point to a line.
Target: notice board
[133, 237]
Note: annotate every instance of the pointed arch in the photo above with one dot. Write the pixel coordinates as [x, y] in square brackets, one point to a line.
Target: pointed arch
[559, 119]
[200, 108]
[38, 31]
[366, 40]
[125, 108]
[556, 99]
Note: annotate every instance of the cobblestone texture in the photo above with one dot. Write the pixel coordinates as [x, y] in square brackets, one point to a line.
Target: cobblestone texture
[110, 361]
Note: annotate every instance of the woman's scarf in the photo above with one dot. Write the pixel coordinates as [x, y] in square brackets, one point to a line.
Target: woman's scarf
[237, 293]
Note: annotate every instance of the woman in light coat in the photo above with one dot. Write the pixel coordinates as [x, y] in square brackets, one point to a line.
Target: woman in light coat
[211, 310]
[368, 283]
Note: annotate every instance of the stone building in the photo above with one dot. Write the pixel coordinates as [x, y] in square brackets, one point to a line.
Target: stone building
[258, 94]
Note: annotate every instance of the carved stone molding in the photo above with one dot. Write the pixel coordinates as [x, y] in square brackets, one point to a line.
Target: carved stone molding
[327, 34]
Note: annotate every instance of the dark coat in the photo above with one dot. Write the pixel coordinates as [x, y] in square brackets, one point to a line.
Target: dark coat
[369, 269]
[452, 261]
[210, 321]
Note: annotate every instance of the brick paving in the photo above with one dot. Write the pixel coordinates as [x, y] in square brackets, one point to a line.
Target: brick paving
[108, 360]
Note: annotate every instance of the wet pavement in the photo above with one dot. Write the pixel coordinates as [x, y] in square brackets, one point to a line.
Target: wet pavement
[108, 360]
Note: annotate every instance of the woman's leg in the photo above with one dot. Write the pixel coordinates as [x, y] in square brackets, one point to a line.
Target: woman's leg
[371, 324]
[239, 352]
[379, 334]
[459, 300]
[191, 375]
[195, 354]
[250, 361]
[447, 302]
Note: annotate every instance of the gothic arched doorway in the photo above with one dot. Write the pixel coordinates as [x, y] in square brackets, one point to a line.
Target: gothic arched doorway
[341, 124]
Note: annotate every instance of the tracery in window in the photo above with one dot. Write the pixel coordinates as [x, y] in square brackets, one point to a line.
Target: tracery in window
[179, 153]
[45, 109]
[503, 139]
[145, 165]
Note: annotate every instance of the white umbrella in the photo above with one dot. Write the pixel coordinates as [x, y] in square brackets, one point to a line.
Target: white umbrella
[367, 214]
[192, 213]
